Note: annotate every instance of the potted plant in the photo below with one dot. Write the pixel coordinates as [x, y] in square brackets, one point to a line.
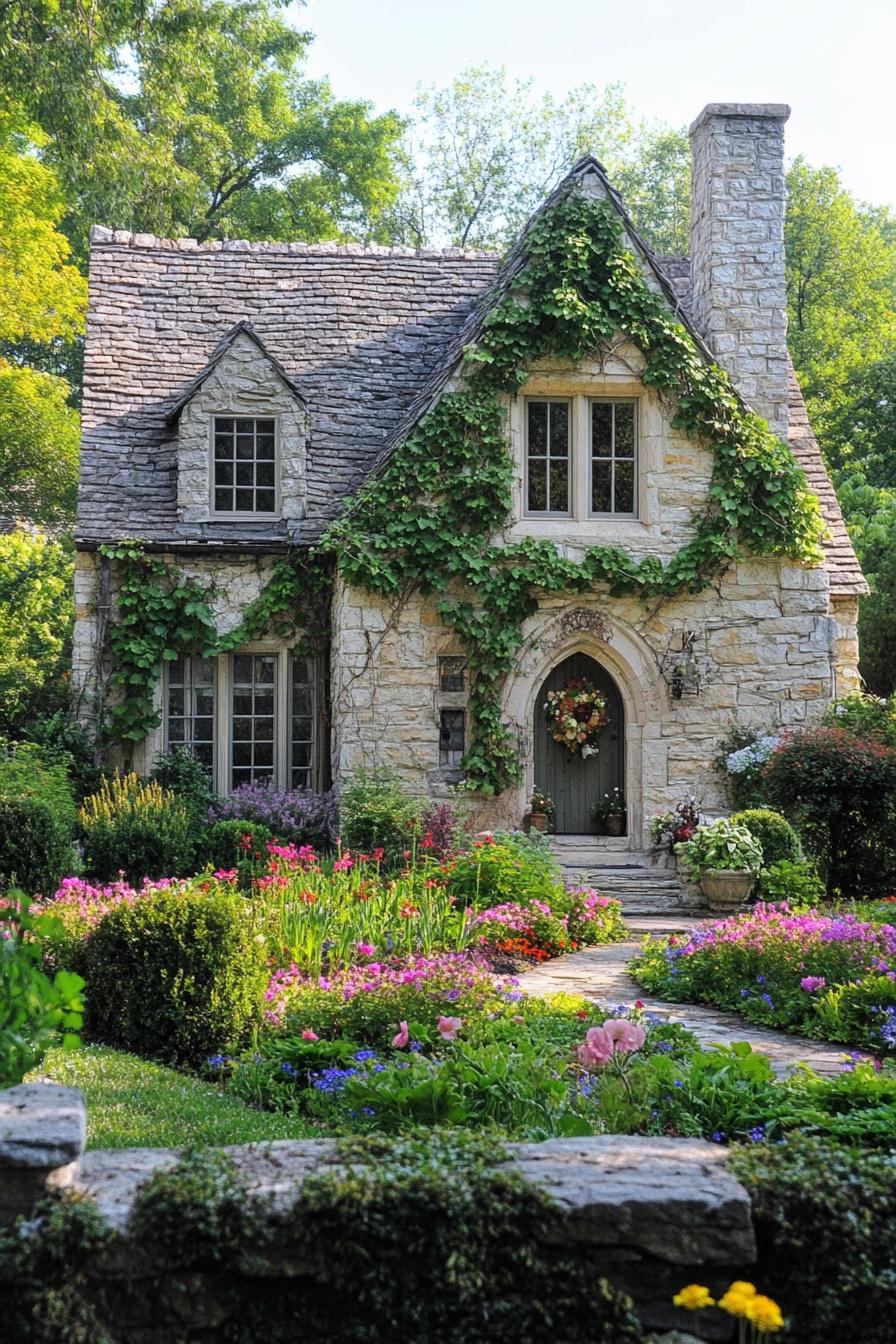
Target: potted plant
[669, 829]
[541, 810]
[725, 859]
[608, 813]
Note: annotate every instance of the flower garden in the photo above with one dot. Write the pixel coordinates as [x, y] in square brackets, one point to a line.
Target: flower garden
[265, 966]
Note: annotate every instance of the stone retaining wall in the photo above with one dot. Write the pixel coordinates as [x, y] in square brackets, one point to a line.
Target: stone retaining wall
[651, 1213]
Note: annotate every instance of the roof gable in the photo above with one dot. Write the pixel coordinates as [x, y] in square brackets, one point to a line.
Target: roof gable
[240, 329]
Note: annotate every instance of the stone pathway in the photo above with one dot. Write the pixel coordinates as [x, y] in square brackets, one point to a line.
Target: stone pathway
[601, 973]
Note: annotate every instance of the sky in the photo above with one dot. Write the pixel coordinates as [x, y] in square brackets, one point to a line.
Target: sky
[831, 60]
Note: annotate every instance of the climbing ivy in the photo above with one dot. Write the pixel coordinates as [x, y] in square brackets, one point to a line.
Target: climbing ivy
[161, 615]
[431, 519]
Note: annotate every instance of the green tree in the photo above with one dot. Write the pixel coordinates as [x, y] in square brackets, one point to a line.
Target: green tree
[36, 614]
[485, 151]
[42, 300]
[192, 117]
[841, 287]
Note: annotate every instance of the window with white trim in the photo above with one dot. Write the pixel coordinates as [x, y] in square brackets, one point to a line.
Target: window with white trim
[190, 708]
[244, 464]
[548, 453]
[581, 457]
[613, 457]
[253, 718]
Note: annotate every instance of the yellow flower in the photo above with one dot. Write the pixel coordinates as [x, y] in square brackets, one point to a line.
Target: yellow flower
[738, 1298]
[765, 1314]
[693, 1297]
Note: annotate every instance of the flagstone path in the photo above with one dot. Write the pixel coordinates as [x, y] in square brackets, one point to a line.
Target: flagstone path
[601, 973]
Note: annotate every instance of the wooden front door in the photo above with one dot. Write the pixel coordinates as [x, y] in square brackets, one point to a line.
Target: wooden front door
[574, 783]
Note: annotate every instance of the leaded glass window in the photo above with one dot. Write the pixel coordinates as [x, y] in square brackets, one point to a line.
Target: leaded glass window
[613, 457]
[253, 717]
[190, 708]
[547, 456]
[245, 465]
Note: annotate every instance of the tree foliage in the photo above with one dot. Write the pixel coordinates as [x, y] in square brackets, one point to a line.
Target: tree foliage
[35, 626]
[193, 117]
[486, 150]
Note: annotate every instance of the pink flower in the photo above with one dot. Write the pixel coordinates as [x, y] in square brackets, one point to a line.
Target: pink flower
[812, 983]
[626, 1035]
[366, 949]
[309, 1035]
[401, 1040]
[448, 1027]
[345, 864]
[226, 874]
[597, 1049]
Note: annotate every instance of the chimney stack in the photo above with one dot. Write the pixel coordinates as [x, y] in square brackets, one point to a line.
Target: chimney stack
[738, 290]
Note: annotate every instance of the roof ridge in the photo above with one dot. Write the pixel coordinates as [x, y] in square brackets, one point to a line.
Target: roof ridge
[100, 236]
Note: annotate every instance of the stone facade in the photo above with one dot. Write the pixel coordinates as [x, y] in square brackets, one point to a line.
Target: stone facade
[243, 382]
[347, 348]
[738, 291]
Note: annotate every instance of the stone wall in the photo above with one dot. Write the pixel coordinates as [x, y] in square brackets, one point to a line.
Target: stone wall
[738, 290]
[650, 1214]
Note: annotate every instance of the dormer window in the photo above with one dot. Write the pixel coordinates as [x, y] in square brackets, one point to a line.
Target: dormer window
[244, 465]
[581, 457]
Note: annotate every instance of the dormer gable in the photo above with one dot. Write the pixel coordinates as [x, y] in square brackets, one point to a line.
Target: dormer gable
[242, 436]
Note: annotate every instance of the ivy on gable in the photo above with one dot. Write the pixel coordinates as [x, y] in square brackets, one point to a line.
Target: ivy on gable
[429, 520]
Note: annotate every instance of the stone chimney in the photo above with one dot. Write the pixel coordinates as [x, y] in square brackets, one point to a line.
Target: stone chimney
[738, 294]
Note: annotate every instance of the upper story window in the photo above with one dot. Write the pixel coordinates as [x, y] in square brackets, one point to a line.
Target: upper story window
[244, 476]
[613, 457]
[581, 457]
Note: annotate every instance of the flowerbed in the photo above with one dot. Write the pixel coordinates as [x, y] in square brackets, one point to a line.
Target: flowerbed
[831, 975]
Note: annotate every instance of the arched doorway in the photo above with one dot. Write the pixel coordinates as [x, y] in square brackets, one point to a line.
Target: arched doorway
[575, 783]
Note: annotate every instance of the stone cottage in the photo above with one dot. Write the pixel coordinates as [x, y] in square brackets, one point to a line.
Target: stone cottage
[237, 396]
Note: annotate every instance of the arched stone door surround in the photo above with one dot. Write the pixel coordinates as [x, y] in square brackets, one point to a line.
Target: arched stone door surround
[552, 636]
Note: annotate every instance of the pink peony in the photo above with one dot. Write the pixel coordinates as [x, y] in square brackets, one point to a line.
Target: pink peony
[448, 1027]
[626, 1035]
[597, 1049]
[309, 1035]
[401, 1040]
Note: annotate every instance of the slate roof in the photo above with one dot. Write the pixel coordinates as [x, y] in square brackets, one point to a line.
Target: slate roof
[367, 336]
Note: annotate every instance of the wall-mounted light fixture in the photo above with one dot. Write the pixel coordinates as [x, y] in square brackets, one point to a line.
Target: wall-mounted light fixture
[680, 667]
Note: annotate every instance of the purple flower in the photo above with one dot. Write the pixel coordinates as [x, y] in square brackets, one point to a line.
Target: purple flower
[811, 983]
[292, 814]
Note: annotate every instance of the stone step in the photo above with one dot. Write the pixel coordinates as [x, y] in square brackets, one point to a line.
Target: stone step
[631, 876]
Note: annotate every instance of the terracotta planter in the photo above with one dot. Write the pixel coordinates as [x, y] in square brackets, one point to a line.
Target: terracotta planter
[726, 889]
[539, 821]
[614, 824]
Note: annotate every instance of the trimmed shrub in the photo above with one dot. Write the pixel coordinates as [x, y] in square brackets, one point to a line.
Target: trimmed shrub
[775, 834]
[35, 847]
[825, 1219]
[176, 976]
[376, 813]
[840, 792]
[291, 814]
[136, 828]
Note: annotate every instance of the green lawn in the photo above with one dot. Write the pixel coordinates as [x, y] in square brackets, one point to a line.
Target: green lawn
[132, 1103]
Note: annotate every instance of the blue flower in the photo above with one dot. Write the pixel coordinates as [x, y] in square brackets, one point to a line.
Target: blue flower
[332, 1080]
[663, 1047]
[416, 1046]
[745, 993]
[718, 1136]
[757, 1134]
[761, 980]
[767, 1000]
[216, 1061]
[677, 1083]
[365, 1054]
[288, 1069]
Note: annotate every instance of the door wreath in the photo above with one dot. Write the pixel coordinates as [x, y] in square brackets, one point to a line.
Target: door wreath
[576, 715]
